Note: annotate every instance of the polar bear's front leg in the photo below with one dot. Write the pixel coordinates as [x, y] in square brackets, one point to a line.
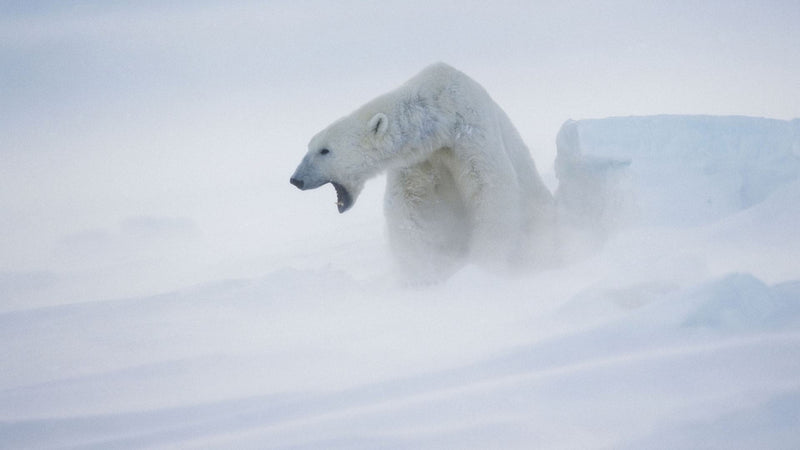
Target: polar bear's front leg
[491, 191]
[427, 223]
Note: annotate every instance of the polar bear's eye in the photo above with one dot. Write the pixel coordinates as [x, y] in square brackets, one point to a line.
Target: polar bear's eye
[324, 151]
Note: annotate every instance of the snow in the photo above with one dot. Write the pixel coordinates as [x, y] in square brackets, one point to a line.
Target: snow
[666, 333]
[725, 163]
[162, 285]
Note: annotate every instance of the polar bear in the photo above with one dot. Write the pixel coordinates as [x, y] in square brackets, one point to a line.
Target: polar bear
[461, 184]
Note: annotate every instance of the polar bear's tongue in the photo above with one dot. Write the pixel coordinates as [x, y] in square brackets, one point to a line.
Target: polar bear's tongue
[343, 198]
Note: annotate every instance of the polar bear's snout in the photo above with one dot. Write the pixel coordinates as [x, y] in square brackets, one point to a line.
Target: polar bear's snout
[305, 183]
[305, 178]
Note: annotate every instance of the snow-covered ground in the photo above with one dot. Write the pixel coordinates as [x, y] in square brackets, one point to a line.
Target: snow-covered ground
[163, 286]
[669, 335]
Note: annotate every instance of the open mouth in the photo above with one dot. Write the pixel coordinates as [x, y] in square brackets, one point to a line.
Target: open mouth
[343, 198]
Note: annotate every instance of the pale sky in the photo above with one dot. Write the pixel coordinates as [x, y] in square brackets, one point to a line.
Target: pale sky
[542, 60]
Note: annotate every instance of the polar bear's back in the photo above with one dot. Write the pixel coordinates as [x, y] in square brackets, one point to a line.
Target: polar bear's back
[470, 108]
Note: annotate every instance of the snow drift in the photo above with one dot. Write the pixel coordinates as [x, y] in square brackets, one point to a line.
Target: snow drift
[682, 170]
[679, 328]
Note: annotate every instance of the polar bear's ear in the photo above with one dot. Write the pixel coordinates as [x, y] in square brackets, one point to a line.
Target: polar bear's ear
[378, 124]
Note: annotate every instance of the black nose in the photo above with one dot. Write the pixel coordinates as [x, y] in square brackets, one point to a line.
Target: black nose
[296, 182]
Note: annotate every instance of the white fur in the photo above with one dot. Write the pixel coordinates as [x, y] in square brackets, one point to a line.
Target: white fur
[460, 180]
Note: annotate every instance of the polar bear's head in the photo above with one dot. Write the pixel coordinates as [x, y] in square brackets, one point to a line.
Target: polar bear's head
[345, 154]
